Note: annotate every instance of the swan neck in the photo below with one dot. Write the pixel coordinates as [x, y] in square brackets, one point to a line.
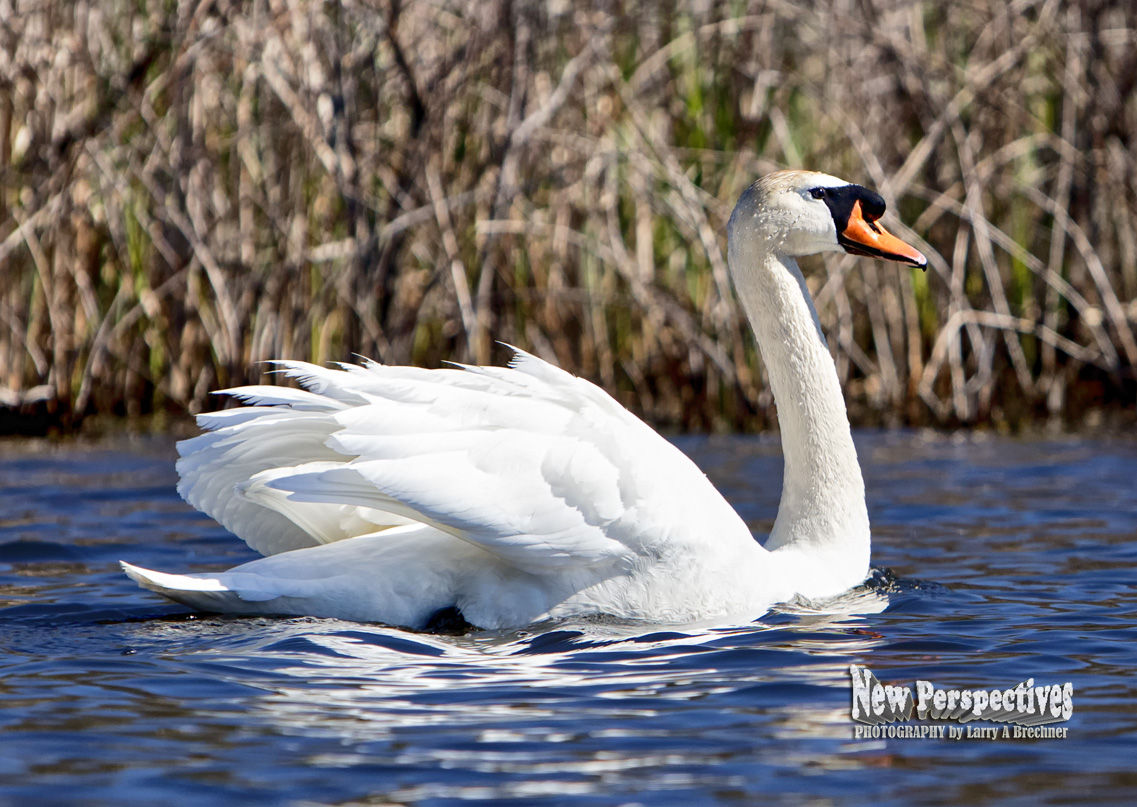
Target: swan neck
[822, 510]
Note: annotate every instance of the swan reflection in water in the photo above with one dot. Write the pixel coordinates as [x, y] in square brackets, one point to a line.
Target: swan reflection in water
[372, 687]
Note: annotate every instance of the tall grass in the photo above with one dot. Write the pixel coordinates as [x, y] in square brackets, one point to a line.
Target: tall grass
[187, 189]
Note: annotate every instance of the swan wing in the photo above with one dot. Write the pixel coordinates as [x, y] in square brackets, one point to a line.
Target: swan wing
[282, 428]
[538, 467]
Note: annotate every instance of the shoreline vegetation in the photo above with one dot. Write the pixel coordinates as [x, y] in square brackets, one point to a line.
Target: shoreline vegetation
[188, 190]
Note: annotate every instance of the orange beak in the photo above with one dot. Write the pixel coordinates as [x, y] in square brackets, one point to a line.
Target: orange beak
[863, 236]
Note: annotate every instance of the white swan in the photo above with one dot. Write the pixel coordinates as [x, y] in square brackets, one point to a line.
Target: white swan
[506, 495]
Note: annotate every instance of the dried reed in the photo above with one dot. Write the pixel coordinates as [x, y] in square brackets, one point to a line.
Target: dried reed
[187, 189]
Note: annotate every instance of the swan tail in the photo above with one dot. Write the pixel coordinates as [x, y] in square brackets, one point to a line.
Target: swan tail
[401, 576]
[205, 592]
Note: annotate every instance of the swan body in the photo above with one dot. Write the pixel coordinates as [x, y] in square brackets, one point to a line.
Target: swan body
[512, 494]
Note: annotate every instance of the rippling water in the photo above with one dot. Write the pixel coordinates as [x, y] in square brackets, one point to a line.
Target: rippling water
[1005, 560]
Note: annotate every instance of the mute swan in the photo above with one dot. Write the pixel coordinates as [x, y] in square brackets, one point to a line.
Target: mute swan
[504, 495]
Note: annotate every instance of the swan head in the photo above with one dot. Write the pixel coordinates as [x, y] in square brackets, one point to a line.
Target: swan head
[805, 212]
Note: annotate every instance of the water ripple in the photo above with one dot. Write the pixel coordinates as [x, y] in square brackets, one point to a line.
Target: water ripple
[999, 560]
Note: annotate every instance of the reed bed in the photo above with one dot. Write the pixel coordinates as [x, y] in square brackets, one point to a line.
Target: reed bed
[188, 189]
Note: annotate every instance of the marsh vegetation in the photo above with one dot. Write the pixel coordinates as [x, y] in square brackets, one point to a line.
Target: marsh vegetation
[188, 189]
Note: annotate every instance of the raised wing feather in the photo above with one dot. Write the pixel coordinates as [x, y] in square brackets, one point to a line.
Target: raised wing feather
[540, 468]
[536, 502]
[256, 439]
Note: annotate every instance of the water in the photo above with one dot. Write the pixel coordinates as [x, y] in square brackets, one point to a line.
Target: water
[1012, 559]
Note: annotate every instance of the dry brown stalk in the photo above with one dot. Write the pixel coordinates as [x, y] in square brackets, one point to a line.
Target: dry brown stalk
[189, 189]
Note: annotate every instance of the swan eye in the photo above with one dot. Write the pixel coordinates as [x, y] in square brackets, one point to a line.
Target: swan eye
[817, 193]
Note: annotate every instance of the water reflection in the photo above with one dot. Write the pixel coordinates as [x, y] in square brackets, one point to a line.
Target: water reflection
[614, 700]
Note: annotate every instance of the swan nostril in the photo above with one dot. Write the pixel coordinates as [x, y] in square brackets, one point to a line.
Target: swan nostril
[872, 203]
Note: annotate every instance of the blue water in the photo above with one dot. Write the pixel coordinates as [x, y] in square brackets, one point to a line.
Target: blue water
[1006, 559]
